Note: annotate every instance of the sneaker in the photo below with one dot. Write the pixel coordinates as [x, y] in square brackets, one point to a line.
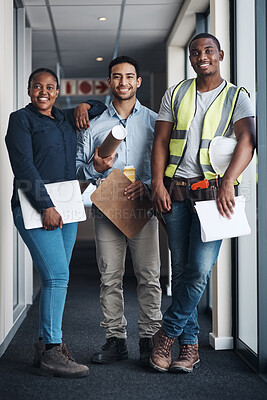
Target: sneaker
[58, 362]
[145, 348]
[187, 360]
[115, 349]
[39, 348]
[161, 355]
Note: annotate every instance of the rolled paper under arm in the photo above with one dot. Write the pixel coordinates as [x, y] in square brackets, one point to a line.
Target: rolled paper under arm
[112, 141]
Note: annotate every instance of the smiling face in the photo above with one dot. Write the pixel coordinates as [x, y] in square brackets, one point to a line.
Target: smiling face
[43, 92]
[205, 57]
[123, 81]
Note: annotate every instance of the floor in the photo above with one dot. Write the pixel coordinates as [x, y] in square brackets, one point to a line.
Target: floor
[221, 375]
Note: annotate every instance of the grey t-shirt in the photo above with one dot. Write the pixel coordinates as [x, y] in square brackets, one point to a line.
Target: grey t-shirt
[189, 167]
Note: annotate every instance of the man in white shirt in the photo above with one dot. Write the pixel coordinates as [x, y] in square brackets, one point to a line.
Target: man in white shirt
[191, 115]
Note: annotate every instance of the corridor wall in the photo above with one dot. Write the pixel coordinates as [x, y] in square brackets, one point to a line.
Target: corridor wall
[6, 177]
[16, 268]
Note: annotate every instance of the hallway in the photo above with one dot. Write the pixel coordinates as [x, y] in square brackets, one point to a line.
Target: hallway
[221, 375]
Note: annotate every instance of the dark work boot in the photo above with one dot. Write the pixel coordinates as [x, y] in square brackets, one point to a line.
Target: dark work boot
[145, 348]
[114, 349]
[39, 348]
[58, 362]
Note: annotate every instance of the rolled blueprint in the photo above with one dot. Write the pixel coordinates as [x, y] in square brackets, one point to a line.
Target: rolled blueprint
[112, 141]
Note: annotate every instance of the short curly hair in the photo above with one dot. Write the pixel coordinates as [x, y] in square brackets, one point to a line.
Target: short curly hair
[121, 60]
[38, 71]
[207, 36]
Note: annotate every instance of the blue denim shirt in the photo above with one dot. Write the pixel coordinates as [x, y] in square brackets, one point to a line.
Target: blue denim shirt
[42, 150]
[134, 150]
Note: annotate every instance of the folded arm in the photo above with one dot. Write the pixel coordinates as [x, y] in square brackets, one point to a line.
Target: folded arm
[89, 165]
[19, 145]
[245, 133]
[27, 177]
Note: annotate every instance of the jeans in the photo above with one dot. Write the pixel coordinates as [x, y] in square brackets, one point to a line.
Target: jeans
[51, 253]
[192, 262]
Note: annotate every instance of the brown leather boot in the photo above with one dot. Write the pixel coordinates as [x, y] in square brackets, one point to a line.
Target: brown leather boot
[58, 362]
[187, 360]
[161, 355]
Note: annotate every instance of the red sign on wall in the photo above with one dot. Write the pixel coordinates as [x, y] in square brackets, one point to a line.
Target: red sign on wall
[101, 87]
[83, 87]
[68, 87]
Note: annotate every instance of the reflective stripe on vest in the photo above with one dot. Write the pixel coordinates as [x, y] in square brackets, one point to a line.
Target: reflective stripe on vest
[216, 123]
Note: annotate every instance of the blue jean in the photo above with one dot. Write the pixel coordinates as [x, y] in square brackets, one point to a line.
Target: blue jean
[51, 253]
[192, 262]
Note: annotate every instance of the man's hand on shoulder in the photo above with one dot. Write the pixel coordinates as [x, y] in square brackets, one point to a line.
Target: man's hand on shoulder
[103, 164]
[226, 198]
[81, 116]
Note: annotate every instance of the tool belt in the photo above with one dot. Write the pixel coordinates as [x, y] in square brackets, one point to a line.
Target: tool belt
[194, 189]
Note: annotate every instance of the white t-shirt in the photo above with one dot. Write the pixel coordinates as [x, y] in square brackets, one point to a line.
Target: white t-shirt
[189, 167]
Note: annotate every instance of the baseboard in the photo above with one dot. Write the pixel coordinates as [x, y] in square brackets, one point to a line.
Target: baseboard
[12, 332]
[221, 343]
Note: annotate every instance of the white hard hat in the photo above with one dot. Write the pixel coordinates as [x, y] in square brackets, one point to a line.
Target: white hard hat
[220, 152]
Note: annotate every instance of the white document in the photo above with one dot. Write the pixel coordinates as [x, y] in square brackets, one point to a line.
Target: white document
[67, 199]
[214, 226]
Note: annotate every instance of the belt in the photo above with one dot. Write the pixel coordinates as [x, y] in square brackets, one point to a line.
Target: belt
[194, 189]
[192, 183]
[180, 183]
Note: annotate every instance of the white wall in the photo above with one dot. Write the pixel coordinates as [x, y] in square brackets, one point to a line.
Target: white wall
[24, 69]
[182, 31]
[221, 336]
[175, 65]
[6, 177]
[15, 67]
[220, 27]
[247, 245]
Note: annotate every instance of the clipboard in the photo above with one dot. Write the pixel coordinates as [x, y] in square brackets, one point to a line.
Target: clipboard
[129, 216]
[215, 227]
[67, 199]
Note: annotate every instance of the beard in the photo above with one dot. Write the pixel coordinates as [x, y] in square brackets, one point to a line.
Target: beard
[204, 74]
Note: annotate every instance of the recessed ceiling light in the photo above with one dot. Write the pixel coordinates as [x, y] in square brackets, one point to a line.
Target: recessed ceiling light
[102, 18]
[99, 58]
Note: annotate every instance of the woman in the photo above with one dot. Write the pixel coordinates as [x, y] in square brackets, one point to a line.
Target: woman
[41, 142]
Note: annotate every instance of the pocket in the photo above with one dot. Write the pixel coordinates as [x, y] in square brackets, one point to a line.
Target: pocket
[176, 192]
[203, 194]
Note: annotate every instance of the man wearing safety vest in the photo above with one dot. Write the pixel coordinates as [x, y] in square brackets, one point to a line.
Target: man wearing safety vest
[191, 115]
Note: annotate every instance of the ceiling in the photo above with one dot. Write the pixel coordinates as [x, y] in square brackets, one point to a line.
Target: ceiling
[69, 32]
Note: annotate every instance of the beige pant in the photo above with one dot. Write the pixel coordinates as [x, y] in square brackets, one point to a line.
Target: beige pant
[111, 246]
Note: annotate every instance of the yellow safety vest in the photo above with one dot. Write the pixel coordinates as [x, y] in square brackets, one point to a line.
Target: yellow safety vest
[216, 123]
